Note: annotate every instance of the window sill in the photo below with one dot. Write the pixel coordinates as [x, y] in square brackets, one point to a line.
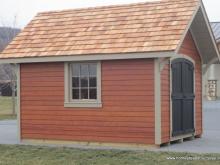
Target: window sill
[82, 105]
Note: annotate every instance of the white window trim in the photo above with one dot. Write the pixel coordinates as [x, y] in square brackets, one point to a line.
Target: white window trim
[68, 102]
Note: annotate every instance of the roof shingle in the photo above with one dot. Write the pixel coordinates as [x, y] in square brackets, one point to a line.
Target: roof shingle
[141, 27]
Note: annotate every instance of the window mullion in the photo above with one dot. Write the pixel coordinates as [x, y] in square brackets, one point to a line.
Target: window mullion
[88, 87]
[80, 82]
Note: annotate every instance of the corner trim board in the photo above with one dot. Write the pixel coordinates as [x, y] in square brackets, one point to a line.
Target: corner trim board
[157, 91]
[18, 103]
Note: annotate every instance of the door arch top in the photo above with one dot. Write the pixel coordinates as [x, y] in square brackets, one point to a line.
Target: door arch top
[182, 56]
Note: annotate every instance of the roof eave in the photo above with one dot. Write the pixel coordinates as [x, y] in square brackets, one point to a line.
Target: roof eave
[94, 57]
[187, 29]
[201, 7]
[210, 30]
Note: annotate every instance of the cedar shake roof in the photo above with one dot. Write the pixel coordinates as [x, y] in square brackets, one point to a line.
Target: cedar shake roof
[141, 27]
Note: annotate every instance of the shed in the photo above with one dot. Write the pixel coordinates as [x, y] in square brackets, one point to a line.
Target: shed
[123, 74]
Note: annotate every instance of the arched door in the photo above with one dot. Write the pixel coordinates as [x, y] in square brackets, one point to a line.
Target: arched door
[182, 97]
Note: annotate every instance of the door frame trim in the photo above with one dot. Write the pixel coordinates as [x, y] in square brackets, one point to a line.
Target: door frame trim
[177, 56]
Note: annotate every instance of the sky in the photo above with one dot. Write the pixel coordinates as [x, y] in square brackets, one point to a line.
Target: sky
[17, 13]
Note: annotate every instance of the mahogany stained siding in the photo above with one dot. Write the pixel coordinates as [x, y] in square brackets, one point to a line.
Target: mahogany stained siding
[165, 104]
[127, 115]
[189, 48]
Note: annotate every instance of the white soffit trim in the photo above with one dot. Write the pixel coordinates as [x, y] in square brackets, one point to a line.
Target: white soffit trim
[89, 57]
[210, 29]
[196, 44]
[187, 29]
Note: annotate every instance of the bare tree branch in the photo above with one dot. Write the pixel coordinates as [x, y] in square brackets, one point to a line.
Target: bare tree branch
[8, 71]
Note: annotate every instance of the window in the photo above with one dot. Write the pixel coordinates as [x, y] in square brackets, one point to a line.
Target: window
[84, 81]
[82, 85]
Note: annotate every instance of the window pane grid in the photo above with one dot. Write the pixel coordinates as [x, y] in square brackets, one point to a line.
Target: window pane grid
[84, 82]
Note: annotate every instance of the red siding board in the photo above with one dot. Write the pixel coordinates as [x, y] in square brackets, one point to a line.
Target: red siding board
[189, 48]
[127, 115]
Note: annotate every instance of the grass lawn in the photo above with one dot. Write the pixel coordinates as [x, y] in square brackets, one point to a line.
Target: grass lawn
[32, 155]
[8, 117]
[6, 108]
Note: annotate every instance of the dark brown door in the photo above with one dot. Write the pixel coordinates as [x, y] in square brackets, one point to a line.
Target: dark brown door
[182, 97]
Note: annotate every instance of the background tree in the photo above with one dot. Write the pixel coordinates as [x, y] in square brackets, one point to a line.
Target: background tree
[8, 71]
